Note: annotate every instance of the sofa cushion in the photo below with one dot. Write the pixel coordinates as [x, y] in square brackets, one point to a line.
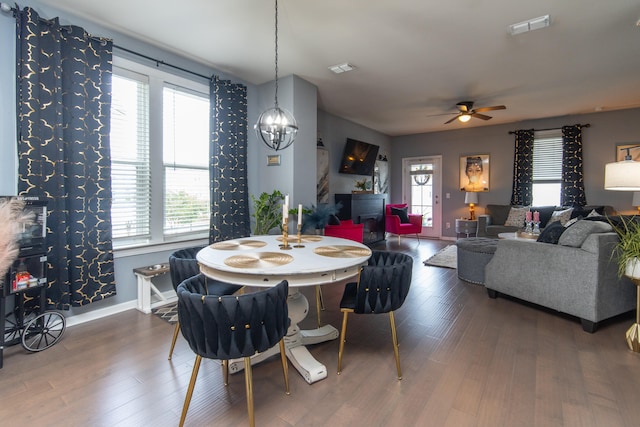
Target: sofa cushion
[585, 211]
[563, 216]
[498, 213]
[402, 213]
[551, 233]
[575, 235]
[516, 217]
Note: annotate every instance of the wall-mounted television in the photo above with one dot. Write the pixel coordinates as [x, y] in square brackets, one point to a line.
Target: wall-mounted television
[359, 158]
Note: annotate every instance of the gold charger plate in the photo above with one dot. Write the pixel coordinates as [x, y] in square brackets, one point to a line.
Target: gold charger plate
[342, 251]
[258, 260]
[305, 238]
[238, 245]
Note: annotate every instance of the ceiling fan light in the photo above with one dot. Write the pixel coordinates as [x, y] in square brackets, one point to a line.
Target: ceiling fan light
[464, 118]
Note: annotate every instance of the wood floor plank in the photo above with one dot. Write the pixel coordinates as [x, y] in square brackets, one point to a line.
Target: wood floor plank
[467, 360]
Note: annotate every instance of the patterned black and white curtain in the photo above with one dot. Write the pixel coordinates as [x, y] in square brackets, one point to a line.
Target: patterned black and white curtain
[522, 189]
[228, 165]
[572, 192]
[64, 98]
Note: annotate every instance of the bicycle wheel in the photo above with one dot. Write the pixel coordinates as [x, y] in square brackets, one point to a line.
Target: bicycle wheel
[43, 331]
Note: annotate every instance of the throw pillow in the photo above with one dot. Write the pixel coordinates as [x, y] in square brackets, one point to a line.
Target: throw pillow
[333, 220]
[563, 216]
[551, 233]
[402, 213]
[516, 217]
[575, 235]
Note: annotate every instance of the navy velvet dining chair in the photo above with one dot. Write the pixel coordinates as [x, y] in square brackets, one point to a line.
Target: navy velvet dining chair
[232, 327]
[183, 265]
[382, 287]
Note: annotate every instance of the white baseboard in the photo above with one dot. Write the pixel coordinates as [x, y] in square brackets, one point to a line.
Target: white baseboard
[78, 319]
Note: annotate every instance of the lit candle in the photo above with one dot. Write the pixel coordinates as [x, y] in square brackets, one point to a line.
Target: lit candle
[536, 216]
[299, 213]
[528, 216]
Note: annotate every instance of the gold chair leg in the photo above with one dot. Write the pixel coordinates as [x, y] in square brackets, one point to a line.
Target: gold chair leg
[343, 333]
[285, 367]
[192, 384]
[398, 239]
[394, 338]
[248, 379]
[319, 303]
[225, 372]
[175, 338]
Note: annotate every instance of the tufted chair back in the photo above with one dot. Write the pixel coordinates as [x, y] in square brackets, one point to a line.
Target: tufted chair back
[183, 264]
[229, 327]
[383, 283]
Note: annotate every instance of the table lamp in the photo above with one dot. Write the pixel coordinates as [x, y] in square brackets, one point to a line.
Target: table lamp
[635, 202]
[471, 199]
[623, 175]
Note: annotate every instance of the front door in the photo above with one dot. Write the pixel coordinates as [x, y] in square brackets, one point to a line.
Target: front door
[421, 191]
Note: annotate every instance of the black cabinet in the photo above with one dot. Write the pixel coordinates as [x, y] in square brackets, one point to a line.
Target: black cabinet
[366, 209]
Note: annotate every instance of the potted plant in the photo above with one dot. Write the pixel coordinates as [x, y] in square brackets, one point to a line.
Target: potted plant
[267, 212]
[628, 248]
[317, 217]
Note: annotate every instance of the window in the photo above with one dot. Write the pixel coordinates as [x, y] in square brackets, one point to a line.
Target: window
[547, 167]
[160, 155]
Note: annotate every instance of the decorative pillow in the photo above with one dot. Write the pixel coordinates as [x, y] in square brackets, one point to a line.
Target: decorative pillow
[516, 217]
[575, 235]
[570, 222]
[584, 211]
[402, 213]
[333, 220]
[562, 216]
[551, 233]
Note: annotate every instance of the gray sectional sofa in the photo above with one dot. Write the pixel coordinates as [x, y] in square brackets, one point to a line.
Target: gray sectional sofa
[492, 222]
[577, 276]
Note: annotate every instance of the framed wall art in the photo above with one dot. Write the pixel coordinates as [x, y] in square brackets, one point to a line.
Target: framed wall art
[621, 152]
[474, 173]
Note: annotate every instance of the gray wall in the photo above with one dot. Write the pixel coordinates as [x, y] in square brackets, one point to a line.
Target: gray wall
[599, 141]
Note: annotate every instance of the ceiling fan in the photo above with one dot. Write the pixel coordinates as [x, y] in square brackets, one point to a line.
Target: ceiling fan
[467, 111]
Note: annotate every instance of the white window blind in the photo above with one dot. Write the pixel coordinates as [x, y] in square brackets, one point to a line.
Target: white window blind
[547, 167]
[186, 160]
[130, 174]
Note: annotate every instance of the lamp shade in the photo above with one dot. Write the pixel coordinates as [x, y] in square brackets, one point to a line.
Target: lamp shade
[471, 197]
[622, 176]
[636, 199]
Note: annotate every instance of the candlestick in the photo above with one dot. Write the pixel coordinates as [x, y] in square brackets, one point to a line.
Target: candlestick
[285, 235]
[299, 245]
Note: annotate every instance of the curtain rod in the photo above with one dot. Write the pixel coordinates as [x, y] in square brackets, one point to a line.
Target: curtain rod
[5, 7]
[586, 125]
[159, 62]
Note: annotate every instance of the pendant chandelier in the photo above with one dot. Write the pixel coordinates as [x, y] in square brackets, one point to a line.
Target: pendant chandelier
[276, 127]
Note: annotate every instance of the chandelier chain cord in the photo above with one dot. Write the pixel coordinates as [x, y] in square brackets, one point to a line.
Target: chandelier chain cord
[276, 97]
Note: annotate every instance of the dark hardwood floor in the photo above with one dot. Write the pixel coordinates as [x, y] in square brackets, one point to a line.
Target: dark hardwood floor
[467, 360]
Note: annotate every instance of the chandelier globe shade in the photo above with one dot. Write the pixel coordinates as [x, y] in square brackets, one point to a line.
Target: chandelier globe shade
[276, 127]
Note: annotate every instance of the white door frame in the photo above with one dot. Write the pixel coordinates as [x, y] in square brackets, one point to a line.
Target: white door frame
[435, 231]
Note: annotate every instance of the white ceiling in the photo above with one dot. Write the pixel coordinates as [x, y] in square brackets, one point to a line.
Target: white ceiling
[414, 59]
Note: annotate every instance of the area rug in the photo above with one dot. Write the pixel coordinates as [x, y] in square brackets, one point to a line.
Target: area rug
[446, 257]
[168, 313]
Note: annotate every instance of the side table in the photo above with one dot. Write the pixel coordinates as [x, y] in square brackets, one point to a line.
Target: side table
[467, 226]
[145, 286]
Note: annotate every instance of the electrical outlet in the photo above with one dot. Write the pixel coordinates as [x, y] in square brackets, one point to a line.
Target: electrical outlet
[447, 195]
[448, 225]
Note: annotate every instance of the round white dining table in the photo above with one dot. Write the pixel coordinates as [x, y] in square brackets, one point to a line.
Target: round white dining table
[262, 262]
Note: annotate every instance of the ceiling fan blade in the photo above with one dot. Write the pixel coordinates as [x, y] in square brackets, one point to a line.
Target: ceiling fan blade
[480, 116]
[450, 120]
[495, 107]
[465, 106]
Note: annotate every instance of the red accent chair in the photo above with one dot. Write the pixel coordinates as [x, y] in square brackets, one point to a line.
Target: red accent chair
[394, 225]
[346, 230]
